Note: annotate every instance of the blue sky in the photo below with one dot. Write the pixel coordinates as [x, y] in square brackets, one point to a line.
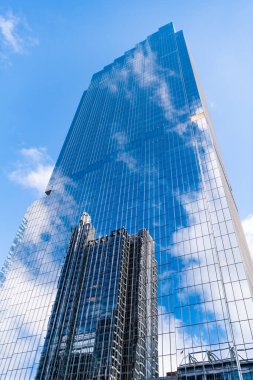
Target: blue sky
[49, 51]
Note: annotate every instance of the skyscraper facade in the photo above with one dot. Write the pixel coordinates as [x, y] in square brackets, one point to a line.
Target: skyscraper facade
[141, 152]
[104, 320]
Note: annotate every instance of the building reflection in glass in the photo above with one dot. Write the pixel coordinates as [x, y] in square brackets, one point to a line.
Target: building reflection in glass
[104, 320]
[212, 368]
[141, 152]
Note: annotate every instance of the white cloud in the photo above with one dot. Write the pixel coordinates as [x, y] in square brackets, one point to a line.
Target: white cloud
[15, 35]
[8, 26]
[144, 66]
[36, 154]
[130, 161]
[33, 170]
[174, 348]
[247, 225]
[27, 330]
[121, 140]
[37, 297]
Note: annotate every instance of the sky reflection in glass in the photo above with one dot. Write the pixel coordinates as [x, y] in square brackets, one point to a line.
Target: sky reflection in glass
[140, 153]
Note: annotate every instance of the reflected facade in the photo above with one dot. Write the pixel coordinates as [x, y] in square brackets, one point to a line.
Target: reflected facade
[104, 320]
[141, 153]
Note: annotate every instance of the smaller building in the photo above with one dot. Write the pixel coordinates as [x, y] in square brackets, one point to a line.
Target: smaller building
[104, 320]
[213, 368]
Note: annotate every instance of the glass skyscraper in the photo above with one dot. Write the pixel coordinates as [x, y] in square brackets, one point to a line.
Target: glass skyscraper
[141, 153]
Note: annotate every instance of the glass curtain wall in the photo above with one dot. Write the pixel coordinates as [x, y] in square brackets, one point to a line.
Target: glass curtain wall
[141, 154]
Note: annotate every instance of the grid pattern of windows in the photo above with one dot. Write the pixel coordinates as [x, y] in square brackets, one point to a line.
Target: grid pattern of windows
[104, 320]
[141, 153]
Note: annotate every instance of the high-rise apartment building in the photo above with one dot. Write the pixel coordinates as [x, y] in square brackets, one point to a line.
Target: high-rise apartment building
[141, 152]
[104, 320]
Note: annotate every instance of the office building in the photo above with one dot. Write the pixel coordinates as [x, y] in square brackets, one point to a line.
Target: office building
[212, 368]
[104, 320]
[141, 152]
